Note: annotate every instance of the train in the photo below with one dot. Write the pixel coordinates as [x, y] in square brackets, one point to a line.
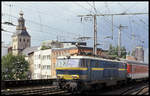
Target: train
[77, 73]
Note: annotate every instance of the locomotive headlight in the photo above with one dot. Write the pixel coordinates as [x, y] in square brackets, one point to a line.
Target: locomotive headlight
[59, 76]
[75, 76]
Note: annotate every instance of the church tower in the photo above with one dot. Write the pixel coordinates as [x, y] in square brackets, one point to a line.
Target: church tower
[20, 39]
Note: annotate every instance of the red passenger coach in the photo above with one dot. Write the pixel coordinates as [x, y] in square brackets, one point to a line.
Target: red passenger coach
[137, 70]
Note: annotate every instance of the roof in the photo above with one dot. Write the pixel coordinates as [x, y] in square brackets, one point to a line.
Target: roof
[29, 50]
[72, 42]
[136, 62]
[55, 49]
[88, 57]
[81, 43]
[21, 32]
[78, 47]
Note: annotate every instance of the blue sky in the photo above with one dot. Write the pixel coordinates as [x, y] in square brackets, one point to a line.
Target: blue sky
[49, 20]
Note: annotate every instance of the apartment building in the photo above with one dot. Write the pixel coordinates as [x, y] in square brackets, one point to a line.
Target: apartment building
[42, 64]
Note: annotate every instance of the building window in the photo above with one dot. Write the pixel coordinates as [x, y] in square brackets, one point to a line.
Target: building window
[14, 46]
[39, 65]
[48, 76]
[39, 56]
[43, 57]
[48, 66]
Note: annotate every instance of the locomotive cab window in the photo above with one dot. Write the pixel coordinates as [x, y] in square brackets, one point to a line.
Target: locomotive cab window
[68, 62]
[83, 63]
[96, 64]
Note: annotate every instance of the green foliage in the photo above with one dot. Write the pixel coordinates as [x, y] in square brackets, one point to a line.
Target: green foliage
[113, 51]
[45, 47]
[129, 53]
[14, 67]
[133, 53]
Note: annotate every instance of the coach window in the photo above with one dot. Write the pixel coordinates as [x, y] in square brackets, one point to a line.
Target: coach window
[113, 64]
[121, 65]
[106, 65]
[86, 62]
[100, 63]
[82, 64]
[95, 63]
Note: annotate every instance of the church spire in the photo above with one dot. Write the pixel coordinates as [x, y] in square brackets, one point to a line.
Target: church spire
[21, 22]
[21, 38]
[20, 28]
[21, 13]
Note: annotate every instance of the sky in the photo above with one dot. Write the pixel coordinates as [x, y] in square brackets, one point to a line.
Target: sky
[60, 21]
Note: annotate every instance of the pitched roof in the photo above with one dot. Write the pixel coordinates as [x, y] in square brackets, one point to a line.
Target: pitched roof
[28, 50]
[21, 32]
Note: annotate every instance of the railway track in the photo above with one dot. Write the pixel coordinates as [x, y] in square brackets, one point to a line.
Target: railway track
[45, 90]
[139, 88]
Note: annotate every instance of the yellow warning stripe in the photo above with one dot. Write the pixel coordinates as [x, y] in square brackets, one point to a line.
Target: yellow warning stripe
[97, 68]
[78, 68]
[120, 69]
[69, 77]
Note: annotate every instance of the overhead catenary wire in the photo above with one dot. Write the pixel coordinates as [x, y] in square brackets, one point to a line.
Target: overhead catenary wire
[31, 9]
[139, 25]
[90, 5]
[10, 33]
[82, 7]
[37, 31]
[106, 26]
[56, 29]
[135, 15]
[104, 18]
[68, 33]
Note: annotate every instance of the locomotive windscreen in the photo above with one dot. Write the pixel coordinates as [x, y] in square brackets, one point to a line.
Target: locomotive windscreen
[68, 62]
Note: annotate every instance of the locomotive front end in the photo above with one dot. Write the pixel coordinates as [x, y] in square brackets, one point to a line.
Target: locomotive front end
[70, 73]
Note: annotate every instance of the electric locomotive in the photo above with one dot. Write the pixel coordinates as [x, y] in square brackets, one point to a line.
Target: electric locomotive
[82, 72]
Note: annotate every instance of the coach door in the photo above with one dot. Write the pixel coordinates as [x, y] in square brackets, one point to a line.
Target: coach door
[89, 69]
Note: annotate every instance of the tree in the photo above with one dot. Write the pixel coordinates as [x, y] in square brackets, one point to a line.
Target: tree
[14, 67]
[113, 51]
[128, 53]
[45, 47]
[123, 52]
[133, 53]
